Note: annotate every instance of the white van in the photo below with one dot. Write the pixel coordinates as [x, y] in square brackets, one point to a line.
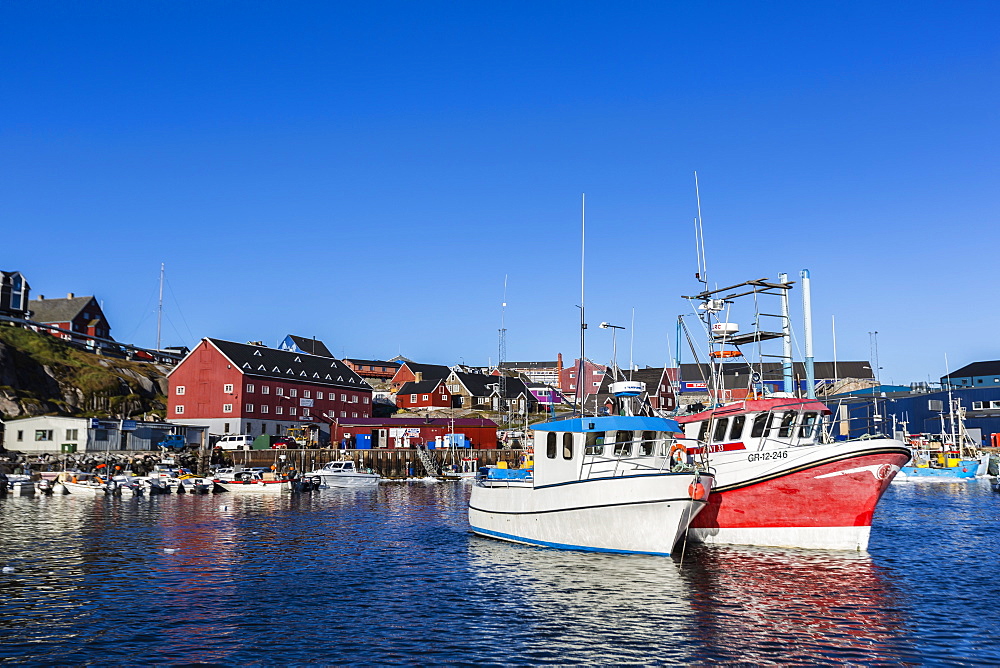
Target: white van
[235, 442]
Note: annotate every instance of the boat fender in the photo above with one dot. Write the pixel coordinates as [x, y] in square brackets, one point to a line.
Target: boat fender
[696, 490]
[678, 454]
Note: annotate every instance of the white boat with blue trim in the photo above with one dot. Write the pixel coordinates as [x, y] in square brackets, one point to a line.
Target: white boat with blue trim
[604, 484]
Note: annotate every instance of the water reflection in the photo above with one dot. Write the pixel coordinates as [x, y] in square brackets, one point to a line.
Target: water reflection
[779, 606]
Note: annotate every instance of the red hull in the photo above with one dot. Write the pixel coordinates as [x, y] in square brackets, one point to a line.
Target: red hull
[805, 498]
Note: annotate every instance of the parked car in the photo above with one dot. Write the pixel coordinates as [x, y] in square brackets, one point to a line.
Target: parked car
[283, 443]
[235, 442]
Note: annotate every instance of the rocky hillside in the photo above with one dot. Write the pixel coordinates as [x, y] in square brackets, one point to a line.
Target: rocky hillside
[43, 375]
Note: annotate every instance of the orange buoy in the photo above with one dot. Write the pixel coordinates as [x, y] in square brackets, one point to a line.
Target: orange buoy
[724, 353]
[696, 491]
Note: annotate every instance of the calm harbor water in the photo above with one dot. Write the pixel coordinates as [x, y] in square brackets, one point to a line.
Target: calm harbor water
[393, 576]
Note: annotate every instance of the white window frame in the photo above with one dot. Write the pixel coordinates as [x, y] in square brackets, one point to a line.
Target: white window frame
[306, 394]
[227, 408]
[977, 405]
[179, 390]
[249, 388]
[265, 389]
[227, 388]
[366, 399]
[293, 410]
[280, 391]
[279, 410]
[179, 409]
[248, 408]
[319, 395]
[263, 408]
[293, 392]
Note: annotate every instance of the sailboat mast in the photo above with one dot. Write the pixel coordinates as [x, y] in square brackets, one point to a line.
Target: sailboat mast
[581, 386]
[159, 310]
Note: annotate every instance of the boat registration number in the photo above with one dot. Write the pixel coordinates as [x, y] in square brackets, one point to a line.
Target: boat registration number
[767, 456]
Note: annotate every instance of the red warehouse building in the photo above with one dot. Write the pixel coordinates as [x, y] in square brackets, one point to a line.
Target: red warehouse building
[237, 388]
[412, 432]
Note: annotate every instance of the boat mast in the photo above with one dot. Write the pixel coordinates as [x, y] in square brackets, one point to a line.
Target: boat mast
[159, 310]
[581, 386]
[503, 355]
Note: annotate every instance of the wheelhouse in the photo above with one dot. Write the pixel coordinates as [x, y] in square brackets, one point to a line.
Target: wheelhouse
[757, 424]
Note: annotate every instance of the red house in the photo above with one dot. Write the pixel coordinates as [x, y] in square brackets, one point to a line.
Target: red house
[414, 372]
[425, 394]
[237, 388]
[80, 317]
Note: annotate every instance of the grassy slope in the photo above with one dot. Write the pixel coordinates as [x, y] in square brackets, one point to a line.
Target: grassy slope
[105, 388]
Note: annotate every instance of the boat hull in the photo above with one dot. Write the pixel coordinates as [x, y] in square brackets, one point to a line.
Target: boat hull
[255, 487]
[346, 479]
[83, 490]
[815, 496]
[645, 514]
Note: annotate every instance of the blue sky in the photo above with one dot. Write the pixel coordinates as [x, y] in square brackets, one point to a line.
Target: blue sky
[368, 173]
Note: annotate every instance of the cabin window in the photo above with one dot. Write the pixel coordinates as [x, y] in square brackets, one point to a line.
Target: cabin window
[595, 443]
[737, 431]
[550, 445]
[720, 430]
[703, 432]
[808, 423]
[623, 443]
[567, 446]
[647, 444]
[786, 425]
[761, 424]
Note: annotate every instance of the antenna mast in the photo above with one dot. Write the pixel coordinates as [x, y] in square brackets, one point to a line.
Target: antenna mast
[159, 310]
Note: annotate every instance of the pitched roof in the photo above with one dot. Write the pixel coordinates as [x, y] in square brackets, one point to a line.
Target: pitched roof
[483, 385]
[311, 346]
[986, 368]
[57, 310]
[424, 386]
[429, 370]
[289, 366]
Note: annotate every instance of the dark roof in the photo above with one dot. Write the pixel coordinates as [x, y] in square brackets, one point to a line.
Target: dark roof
[987, 368]
[58, 310]
[424, 386]
[429, 370]
[289, 366]
[311, 346]
[772, 370]
[355, 360]
[484, 385]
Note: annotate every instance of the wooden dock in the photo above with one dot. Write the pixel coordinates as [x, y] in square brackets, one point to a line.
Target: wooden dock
[389, 463]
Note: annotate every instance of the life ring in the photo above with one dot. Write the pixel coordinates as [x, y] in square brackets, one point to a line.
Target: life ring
[677, 454]
[696, 490]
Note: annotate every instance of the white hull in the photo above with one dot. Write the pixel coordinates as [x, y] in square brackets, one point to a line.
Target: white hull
[854, 539]
[21, 489]
[635, 514]
[257, 487]
[347, 479]
[82, 490]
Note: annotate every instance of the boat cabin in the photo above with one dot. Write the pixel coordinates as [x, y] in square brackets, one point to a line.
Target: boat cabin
[590, 447]
[756, 424]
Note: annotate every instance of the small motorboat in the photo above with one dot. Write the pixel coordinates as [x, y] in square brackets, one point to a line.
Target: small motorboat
[254, 482]
[344, 474]
[20, 485]
[81, 484]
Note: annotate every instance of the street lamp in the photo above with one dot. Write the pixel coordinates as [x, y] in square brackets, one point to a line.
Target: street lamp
[614, 342]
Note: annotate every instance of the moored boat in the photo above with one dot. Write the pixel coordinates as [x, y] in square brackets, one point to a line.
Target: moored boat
[344, 474]
[247, 482]
[780, 483]
[606, 484]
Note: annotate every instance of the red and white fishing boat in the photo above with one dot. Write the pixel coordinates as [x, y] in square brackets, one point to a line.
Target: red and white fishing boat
[778, 484]
[781, 477]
